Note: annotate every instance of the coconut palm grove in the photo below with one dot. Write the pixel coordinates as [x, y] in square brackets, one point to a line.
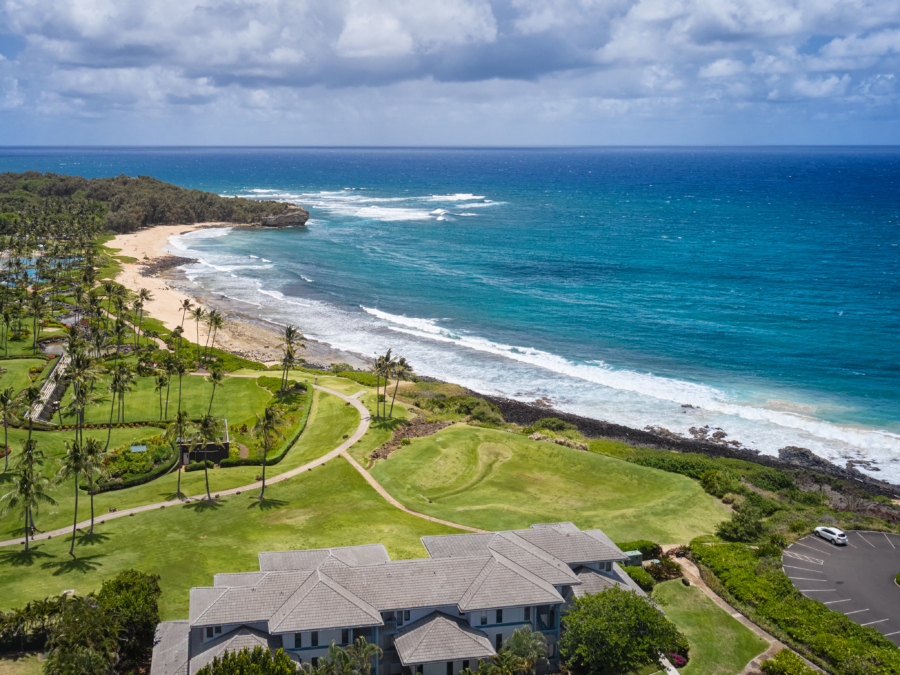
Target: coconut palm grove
[140, 459]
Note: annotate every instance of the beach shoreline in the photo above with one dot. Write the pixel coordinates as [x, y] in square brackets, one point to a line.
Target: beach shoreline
[158, 270]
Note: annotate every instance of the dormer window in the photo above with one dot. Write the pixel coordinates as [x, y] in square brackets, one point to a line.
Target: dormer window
[484, 618]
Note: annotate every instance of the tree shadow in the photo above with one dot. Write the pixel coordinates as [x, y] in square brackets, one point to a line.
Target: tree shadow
[6, 476]
[169, 496]
[84, 565]
[23, 558]
[92, 539]
[267, 504]
[203, 505]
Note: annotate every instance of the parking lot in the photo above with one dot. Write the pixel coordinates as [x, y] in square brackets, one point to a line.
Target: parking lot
[856, 580]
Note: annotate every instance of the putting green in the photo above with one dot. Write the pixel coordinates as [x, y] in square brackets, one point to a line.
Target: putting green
[494, 481]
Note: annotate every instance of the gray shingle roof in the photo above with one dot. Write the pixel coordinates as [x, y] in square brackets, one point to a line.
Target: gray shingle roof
[502, 583]
[595, 582]
[170, 648]
[600, 536]
[570, 547]
[440, 637]
[238, 579]
[322, 603]
[352, 556]
[235, 641]
[244, 604]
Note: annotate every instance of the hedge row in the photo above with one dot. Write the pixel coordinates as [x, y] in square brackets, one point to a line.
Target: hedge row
[198, 466]
[769, 598]
[137, 480]
[288, 444]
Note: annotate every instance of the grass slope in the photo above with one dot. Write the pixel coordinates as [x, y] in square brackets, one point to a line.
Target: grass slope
[187, 545]
[329, 421]
[20, 664]
[495, 480]
[720, 645]
[16, 375]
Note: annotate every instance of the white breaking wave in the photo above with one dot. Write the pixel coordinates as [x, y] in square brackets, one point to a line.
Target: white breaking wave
[462, 197]
[306, 279]
[391, 214]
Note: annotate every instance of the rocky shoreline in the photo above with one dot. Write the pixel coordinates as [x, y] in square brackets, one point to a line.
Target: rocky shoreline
[789, 458]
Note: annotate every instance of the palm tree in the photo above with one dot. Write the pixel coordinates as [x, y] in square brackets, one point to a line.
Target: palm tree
[402, 370]
[186, 306]
[289, 340]
[216, 377]
[269, 422]
[74, 465]
[123, 378]
[506, 663]
[171, 371]
[38, 307]
[287, 362]
[180, 368]
[384, 365]
[361, 654]
[30, 397]
[177, 434]
[207, 431]
[9, 411]
[144, 296]
[214, 322]
[29, 490]
[529, 646]
[120, 333]
[82, 371]
[95, 456]
[198, 315]
[162, 382]
[109, 289]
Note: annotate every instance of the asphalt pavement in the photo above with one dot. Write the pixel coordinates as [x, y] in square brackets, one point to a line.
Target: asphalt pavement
[856, 580]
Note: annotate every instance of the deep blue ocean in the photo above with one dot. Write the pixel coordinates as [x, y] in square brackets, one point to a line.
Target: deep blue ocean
[759, 285]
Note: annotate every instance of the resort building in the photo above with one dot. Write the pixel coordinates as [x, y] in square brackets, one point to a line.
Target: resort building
[433, 616]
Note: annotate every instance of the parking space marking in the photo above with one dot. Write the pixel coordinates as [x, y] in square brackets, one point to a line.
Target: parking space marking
[889, 540]
[866, 540]
[804, 558]
[794, 567]
[894, 633]
[856, 612]
[871, 622]
[806, 579]
[812, 547]
[820, 590]
[836, 601]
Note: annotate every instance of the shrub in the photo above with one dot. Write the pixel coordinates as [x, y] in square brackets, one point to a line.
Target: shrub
[720, 482]
[405, 441]
[897, 579]
[133, 597]
[641, 577]
[259, 662]
[486, 416]
[745, 525]
[786, 662]
[553, 424]
[664, 570]
[647, 548]
[198, 466]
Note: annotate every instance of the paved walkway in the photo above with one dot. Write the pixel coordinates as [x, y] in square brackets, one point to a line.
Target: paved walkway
[340, 450]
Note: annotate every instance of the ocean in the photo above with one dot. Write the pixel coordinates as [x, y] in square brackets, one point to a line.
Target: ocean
[758, 286]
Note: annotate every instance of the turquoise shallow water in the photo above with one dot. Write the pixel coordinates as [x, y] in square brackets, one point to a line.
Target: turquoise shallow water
[760, 286]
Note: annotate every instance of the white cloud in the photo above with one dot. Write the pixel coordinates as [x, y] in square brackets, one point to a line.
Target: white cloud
[722, 68]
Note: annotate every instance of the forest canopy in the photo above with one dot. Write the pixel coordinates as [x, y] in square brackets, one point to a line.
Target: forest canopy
[125, 203]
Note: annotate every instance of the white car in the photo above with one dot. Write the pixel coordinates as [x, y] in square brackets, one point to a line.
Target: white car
[832, 534]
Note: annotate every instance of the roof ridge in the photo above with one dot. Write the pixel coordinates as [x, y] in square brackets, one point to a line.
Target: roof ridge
[223, 590]
[513, 538]
[349, 595]
[477, 582]
[309, 584]
[522, 572]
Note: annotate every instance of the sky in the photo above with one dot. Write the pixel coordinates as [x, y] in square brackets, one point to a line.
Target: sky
[449, 72]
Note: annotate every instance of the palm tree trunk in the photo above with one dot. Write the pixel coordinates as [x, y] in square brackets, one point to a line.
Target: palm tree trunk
[265, 457]
[197, 322]
[27, 511]
[160, 404]
[167, 396]
[209, 412]
[6, 445]
[179, 392]
[206, 472]
[91, 531]
[74, 522]
[112, 407]
[377, 391]
[180, 464]
[393, 398]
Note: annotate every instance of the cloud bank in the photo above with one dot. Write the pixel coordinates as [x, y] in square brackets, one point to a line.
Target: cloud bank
[449, 72]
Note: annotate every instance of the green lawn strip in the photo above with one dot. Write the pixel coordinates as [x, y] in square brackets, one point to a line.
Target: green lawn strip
[237, 400]
[20, 664]
[16, 375]
[330, 506]
[329, 421]
[720, 644]
[495, 480]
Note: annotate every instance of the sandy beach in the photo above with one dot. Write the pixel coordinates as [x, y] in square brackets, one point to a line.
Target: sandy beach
[242, 335]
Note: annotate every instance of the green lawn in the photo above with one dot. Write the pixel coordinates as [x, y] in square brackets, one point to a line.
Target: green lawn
[495, 480]
[720, 645]
[237, 400]
[329, 421]
[16, 375]
[20, 664]
[187, 545]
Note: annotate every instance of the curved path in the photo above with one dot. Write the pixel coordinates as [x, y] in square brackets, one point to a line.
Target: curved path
[340, 450]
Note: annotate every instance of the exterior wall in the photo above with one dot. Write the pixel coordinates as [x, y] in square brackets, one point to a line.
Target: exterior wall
[602, 566]
[224, 629]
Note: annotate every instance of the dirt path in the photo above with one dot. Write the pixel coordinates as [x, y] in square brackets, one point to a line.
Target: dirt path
[340, 450]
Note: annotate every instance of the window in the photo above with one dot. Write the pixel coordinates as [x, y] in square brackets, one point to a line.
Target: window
[607, 566]
[499, 616]
[218, 630]
[499, 639]
[484, 618]
[419, 668]
[406, 615]
[315, 662]
[314, 639]
[400, 618]
[209, 632]
[298, 640]
[345, 636]
[465, 665]
[449, 667]
[528, 613]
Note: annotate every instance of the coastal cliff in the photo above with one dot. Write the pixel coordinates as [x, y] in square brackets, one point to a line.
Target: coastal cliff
[294, 216]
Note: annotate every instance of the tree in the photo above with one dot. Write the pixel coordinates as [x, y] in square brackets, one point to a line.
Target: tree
[217, 378]
[132, 597]
[207, 431]
[186, 306]
[214, 322]
[95, 456]
[290, 339]
[162, 382]
[744, 525]
[84, 640]
[177, 434]
[10, 406]
[29, 486]
[402, 370]
[245, 662]
[529, 646]
[74, 465]
[144, 296]
[198, 315]
[361, 654]
[505, 662]
[267, 424]
[30, 397]
[616, 632]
